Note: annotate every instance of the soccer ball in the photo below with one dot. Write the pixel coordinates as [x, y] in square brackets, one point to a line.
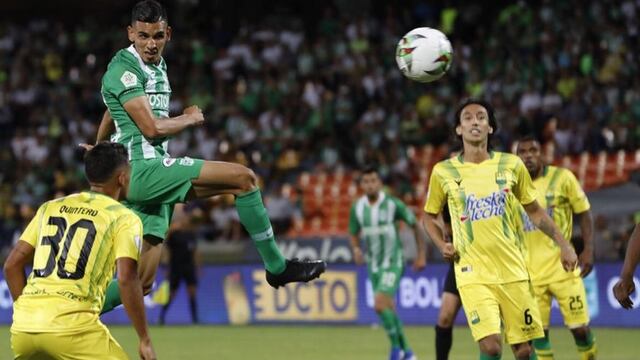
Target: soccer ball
[424, 54]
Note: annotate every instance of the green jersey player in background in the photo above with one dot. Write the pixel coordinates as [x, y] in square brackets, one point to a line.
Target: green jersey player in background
[373, 219]
[136, 91]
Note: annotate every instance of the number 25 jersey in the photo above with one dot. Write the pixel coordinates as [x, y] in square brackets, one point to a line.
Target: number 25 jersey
[77, 239]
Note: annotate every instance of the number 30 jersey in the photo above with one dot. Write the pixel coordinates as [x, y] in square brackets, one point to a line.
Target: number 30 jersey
[77, 239]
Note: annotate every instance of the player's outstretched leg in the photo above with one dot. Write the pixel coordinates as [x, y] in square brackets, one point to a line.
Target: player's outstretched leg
[586, 343]
[217, 178]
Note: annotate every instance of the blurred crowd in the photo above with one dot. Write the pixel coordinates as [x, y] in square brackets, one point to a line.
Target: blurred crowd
[288, 93]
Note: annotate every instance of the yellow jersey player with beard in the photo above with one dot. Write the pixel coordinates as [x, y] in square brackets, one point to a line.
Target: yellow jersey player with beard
[483, 190]
[562, 196]
[74, 245]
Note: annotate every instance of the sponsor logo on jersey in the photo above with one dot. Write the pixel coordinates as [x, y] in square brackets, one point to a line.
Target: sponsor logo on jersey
[158, 101]
[128, 79]
[168, 161]
[486, 207]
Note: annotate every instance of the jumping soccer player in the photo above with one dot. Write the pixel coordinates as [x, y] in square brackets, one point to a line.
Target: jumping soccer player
[136, 91]
[75, 244]
[373, 218]
[482, 189]
[561, 195]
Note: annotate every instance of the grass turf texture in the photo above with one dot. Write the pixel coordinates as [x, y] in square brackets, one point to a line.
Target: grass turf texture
[331, 342]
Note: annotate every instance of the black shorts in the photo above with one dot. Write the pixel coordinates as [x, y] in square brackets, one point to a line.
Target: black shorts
[188, 274]
[450, 285]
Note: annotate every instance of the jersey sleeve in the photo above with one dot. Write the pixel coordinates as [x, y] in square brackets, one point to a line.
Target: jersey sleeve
[523, 188]
[436, 196]
[575, 194]
[32, 233]
[404, 213]
[123, 82]
[354, 225]
[127, 237]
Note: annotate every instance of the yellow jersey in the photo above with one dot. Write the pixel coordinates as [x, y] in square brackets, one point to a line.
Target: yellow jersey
[560, 193]
[77, 239]
[483, 202]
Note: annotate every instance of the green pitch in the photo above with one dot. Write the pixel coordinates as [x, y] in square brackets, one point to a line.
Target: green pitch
[331, 342]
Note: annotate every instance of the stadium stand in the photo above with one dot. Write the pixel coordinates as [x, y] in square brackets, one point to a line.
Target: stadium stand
[307, 98]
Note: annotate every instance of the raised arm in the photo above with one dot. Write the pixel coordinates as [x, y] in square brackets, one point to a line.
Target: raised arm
[14, 267]
[152, 127]
[543, 221]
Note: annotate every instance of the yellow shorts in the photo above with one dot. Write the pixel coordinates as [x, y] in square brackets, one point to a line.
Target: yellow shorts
[571, 297]
[90, 344]
[489, 307]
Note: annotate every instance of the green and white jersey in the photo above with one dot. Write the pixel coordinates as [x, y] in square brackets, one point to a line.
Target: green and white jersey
[128, 77]
[376, 225]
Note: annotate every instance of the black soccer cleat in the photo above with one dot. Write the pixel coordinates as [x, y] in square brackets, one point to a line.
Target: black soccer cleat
[297, 271]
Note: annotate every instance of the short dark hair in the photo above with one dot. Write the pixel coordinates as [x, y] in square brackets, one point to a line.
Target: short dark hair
[148, 11]
[370, 169]
[103, 160]
[529, 137]
[485, 104]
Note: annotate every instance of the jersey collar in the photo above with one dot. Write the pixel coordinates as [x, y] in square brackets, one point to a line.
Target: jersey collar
[461, 156]
[91, 192]
[381, 196]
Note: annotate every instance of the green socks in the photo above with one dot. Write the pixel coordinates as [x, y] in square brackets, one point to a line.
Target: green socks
[111, 297]
[489, 357]
[587, 348]
[390, 324]
[542, 347]
[403, 341]
[255, 220]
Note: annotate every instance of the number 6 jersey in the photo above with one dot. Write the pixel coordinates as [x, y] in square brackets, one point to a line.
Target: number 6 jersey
[77, 239]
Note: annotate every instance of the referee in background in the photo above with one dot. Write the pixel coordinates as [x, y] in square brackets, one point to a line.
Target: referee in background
[183, 258]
